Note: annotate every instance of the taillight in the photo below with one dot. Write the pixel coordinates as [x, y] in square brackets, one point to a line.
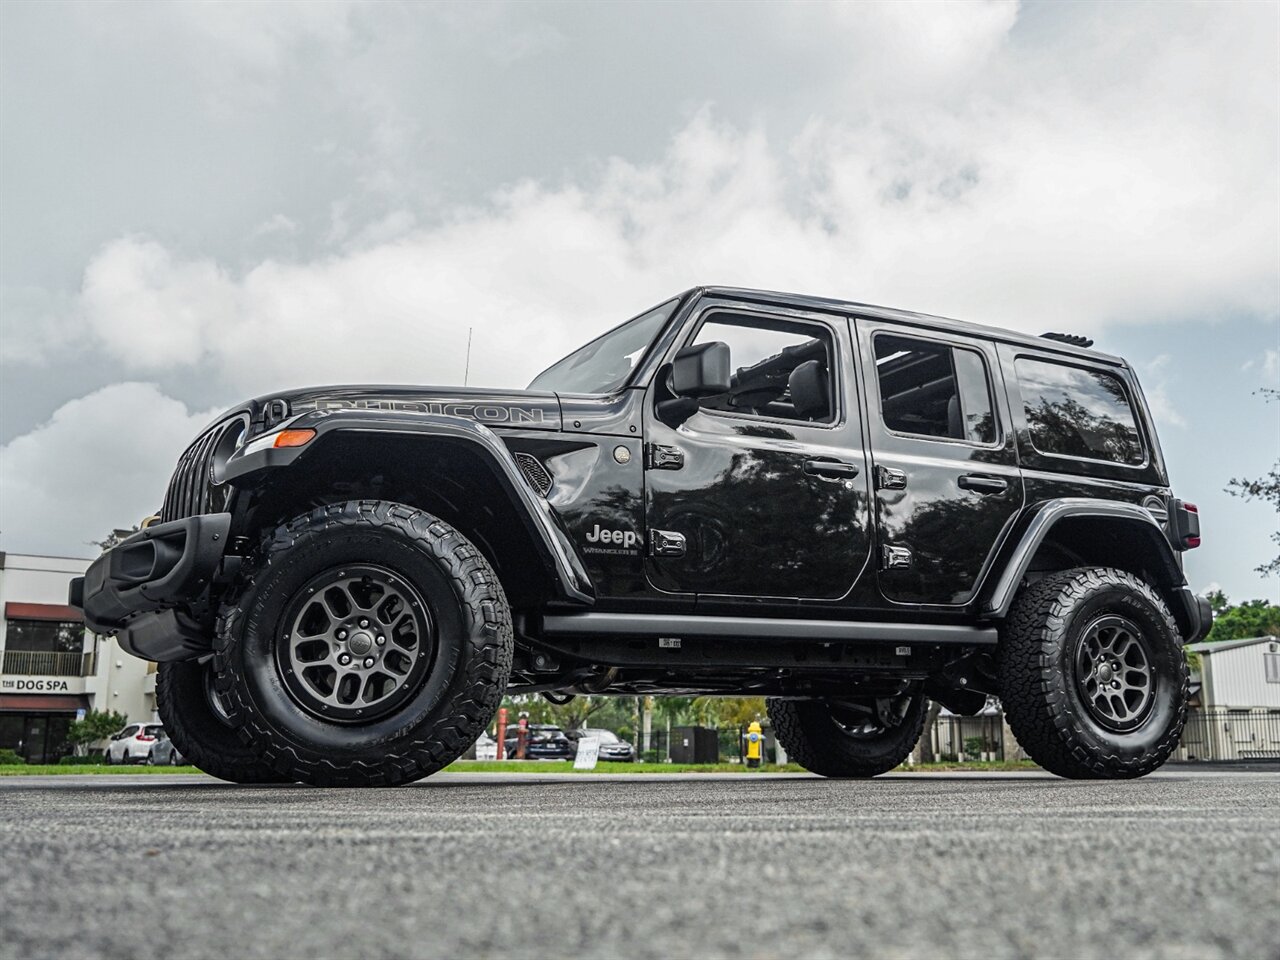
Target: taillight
[143, 738]
[1184, 525]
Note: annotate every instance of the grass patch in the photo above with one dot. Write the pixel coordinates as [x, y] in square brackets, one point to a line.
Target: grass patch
[20, 769]
[535, 766]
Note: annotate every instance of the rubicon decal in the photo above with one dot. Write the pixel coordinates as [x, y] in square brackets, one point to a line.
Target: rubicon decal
[484, 412]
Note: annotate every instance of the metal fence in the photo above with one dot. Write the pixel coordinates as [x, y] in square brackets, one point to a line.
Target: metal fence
[1223, 734]
[46, 663]
[968, 738]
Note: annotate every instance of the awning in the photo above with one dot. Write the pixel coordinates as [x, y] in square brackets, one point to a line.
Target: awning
[43, 702]
[41, 611]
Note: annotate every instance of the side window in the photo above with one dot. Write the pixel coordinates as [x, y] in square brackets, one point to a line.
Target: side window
[780, 368]
[1076, 412]
[934, 390]
[128, 732]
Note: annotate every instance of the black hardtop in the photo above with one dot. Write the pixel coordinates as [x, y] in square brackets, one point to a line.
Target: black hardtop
[923, 320]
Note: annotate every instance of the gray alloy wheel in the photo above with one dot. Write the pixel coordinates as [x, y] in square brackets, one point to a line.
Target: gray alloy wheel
[358, 640]
[1114, 674]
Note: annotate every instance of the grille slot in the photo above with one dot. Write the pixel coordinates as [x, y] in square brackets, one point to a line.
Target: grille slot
[534, 472]
[188, 493]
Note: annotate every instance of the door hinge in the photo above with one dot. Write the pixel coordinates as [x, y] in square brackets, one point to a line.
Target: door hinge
[887, 478]
[666, 543]
[895, 558]
[659, 457]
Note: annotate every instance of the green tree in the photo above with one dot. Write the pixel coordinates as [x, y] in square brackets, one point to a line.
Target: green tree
[96, 725]
[1253, 618]
[1266, 489]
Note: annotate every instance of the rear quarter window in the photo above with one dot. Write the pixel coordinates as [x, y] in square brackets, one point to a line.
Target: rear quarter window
[1076, 412]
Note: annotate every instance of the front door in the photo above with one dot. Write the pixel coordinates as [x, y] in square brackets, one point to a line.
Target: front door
[762, 492]
[947, 483]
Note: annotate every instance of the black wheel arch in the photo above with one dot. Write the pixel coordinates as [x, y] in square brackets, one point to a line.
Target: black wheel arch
[1068, 532]
[453, 468]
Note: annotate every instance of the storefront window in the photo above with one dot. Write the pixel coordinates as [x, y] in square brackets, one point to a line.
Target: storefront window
[54, 636]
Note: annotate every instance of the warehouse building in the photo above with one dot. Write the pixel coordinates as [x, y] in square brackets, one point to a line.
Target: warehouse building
[1235, 706]
[52, 668]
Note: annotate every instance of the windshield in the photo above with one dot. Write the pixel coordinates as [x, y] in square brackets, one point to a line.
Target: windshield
[605, 363]
[604, 736]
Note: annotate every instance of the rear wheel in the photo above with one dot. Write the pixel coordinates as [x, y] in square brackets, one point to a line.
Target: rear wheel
[370, 647]
[849, 737]
[197, 724]
[1092, 674]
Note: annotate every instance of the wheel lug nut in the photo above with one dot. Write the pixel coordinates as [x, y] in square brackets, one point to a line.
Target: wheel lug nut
[368, 662]
[1115, 684]
[382, 641]
[364, 623]
[342, 634]
[344, 659]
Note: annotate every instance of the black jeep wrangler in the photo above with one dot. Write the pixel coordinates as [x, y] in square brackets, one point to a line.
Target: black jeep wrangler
[847, 509]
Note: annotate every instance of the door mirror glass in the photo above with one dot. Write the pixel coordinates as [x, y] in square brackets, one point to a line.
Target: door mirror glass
[701, 370]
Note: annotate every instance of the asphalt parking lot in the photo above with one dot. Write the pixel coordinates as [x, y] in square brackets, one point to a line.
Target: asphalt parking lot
[1183, 864]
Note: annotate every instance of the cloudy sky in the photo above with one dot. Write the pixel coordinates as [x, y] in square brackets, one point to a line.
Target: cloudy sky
[201, 202]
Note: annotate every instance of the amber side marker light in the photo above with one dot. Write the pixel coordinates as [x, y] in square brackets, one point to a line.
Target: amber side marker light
[294, 438]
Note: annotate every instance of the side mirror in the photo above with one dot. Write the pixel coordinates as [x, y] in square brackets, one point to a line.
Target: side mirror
[698, 371]
[701, 370]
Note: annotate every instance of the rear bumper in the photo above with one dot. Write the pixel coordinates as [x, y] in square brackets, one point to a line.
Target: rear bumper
[140, 589]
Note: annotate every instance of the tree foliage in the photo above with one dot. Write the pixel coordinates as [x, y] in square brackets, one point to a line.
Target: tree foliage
[96, 725]
[1253, 618]
[1266, 489]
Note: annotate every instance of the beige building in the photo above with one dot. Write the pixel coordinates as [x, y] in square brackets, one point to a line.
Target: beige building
[1235, 711]
[52, 668]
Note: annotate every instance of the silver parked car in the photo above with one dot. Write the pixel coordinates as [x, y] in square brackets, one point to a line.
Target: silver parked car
[164, 753]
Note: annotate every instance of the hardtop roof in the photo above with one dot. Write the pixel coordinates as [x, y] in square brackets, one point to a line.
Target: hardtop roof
[925, 320]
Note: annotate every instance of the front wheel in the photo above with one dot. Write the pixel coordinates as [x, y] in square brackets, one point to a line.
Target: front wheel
[856, 737]
[1092, 674]
[371, 646]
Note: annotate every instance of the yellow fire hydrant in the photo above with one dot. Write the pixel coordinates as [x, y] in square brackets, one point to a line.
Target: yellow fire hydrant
[755, 744]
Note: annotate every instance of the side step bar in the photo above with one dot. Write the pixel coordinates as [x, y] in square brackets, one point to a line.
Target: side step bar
[762, 628]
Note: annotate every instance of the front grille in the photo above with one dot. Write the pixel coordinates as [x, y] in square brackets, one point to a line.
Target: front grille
[534, 472]
[188, 493]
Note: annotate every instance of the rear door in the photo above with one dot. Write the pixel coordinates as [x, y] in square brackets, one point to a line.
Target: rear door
[944, 461]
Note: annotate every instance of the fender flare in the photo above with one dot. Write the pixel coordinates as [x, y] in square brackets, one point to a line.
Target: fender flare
[552, 542]
[1016, 556]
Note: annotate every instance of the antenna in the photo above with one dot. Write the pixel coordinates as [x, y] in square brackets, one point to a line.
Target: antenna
[466, 375]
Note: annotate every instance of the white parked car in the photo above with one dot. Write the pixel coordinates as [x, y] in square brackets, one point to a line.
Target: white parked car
[133, 743]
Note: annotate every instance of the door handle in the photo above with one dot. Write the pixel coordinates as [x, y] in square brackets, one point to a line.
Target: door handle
[980, 484]
[830, 468]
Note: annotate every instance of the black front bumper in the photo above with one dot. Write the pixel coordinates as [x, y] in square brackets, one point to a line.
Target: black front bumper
[142, 589]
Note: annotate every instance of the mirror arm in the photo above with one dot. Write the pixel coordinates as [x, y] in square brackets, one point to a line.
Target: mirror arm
[676, 411]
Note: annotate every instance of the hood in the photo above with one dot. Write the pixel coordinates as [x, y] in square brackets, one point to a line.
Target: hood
[512, 409]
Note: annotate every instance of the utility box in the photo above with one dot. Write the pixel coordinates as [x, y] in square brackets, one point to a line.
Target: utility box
[694, 745]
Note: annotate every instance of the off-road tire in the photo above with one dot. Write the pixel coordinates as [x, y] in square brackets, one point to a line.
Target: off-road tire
[207, 742]
[1047, 712]
[458, 695]
[813, 739]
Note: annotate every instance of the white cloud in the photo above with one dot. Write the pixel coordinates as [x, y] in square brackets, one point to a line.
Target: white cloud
[74, 478]
[996, 216]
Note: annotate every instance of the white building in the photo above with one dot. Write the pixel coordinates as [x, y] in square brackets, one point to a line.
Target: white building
[1236, 710]
[51, 667]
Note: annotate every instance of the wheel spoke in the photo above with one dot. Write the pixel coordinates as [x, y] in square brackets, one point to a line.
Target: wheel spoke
[1113, 672]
